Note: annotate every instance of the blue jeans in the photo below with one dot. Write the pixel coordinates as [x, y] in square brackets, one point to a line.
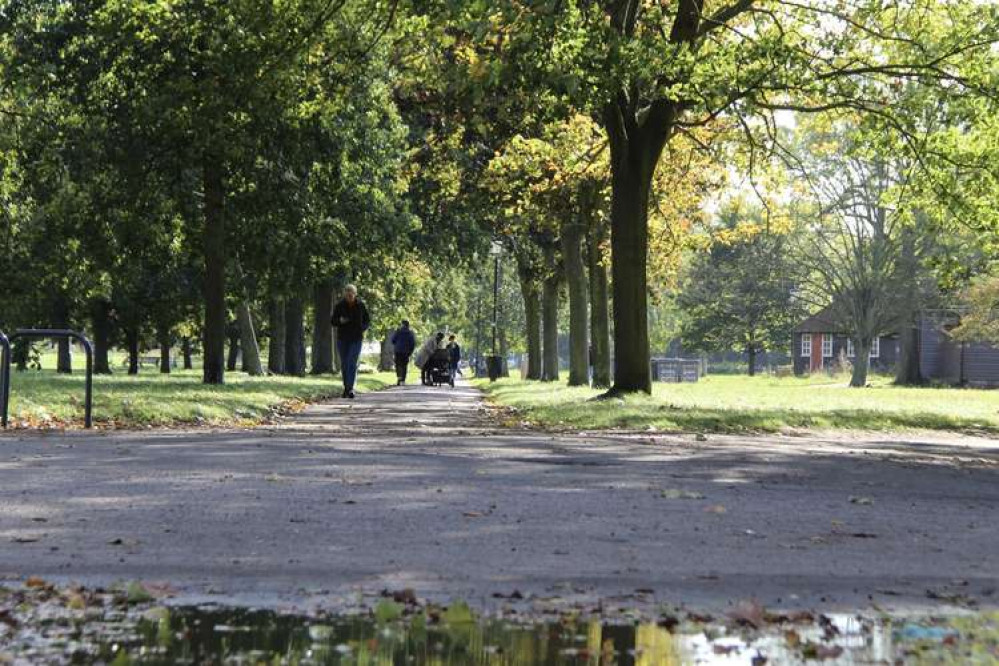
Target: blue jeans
[350, 352]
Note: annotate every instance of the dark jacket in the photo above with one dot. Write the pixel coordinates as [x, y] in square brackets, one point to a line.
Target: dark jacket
[356, 320]
[454, 352]
[403, 341]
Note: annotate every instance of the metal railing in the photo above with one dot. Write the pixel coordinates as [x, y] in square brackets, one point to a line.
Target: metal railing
[4, 378]
[47, 333]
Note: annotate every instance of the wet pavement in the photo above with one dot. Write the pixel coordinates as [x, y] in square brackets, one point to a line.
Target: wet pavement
[417, 488]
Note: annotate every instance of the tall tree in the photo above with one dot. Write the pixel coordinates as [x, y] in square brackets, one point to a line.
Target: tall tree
[738, 293]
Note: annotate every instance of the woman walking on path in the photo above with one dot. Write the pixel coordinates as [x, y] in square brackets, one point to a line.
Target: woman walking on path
[351, 320]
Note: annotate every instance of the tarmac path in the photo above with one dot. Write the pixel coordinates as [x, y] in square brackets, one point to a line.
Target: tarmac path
[416, 487]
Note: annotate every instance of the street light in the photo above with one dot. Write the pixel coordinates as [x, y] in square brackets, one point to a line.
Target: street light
[493, 363]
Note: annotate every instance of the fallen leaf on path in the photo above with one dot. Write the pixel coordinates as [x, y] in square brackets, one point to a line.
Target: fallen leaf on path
[35, 581]
[725, 649]
[25, 539]
[677, 493]
[716, 508]
[819, 651]
[749, 613]
[864, 501]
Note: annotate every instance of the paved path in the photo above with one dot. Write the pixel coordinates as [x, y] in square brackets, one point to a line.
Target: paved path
[416, 487]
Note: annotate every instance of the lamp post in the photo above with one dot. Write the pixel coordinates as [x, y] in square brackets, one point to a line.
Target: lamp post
[494, 362]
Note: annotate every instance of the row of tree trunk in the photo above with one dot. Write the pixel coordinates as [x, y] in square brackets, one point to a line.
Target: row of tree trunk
[286, 353]
[583, 270]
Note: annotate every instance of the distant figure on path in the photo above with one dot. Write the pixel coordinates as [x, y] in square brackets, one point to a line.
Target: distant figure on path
[454, 356]
[351, 320]
[426, 353]
[403, 344]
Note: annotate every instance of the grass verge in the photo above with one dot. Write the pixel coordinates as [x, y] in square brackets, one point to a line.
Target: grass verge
[724, 403]
[49, 400]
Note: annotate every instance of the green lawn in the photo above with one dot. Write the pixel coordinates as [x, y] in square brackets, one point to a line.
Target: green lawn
[726, 403]
[44, 398]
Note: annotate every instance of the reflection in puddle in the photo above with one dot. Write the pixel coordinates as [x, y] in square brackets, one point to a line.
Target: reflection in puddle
[213, 635]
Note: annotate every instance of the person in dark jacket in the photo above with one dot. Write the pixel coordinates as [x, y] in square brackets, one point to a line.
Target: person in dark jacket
[454, 356]
[351, 320]
[403, 344]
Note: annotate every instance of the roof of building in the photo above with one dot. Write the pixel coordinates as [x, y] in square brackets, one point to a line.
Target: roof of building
[823, 321]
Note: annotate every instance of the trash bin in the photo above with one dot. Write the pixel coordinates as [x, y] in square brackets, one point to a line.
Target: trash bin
[494, 366]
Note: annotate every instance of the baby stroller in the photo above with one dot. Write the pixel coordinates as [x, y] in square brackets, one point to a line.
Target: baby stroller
[438, 369]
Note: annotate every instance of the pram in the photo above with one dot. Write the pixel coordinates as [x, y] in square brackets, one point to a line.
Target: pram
[437, 370]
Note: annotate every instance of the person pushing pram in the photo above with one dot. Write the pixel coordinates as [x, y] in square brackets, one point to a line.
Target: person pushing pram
[430, 357]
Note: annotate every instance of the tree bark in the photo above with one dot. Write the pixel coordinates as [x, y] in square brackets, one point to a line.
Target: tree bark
[60, 319]
[213, 353]
[635, 146]
[575, 275]
[163, 338]
[294, 337]
[233, 358]
[907, 372]
[549, 321]
[504, 356]
[322, 328]
[100, 318]
[276, 344]
[751, 352]
[861, 361]
[629, 246]
[386, 357]
[132, 342]
[248, 340]
[599, 308]
[532, 316]
[185, 347]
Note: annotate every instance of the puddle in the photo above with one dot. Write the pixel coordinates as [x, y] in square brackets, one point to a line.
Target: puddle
[394, 633]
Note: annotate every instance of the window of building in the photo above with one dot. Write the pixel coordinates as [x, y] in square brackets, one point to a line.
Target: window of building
[875, 347]
[806, 344]
[827, 340]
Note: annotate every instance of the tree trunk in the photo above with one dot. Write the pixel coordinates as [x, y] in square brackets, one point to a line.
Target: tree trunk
[275, 346]
[635, 147]
[549, 322]
[629, 246]
[248, 340]
[751, 352]
[907, 371]
[322, 328]
[163, 338]
[60, 319]
[504, 356]
[132, 342]
[386, 358]
[861, 361]
[185, 347]
[294, 337]
[599, 308]
[233, 348]
[213, 353]
[532, 317]
[575, 275]
[336, 354]
[100, 318]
